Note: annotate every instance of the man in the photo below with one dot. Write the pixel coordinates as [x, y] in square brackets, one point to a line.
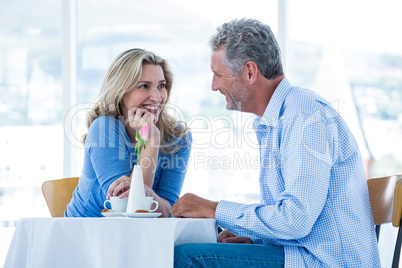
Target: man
[314, 209]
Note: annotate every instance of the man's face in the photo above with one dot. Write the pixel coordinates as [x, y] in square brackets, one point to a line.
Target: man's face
[230, 86]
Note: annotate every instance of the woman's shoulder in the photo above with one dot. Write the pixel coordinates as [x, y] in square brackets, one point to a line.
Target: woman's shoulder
[183, 134]
[185, 139]
[106, 125]
[106, 122]
[178, 144]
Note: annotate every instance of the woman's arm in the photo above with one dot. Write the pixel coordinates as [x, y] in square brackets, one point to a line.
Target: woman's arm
[108, 156]
[164, 206]
[149, 156]
[173, 171]
[137, 118]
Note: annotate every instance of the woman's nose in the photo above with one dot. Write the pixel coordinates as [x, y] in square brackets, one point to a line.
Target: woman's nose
[155, 95]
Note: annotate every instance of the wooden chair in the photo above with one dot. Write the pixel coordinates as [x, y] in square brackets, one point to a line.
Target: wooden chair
[58, 194]
[386, 205]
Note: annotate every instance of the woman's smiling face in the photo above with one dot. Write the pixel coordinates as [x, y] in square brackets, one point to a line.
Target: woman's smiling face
[149, 93]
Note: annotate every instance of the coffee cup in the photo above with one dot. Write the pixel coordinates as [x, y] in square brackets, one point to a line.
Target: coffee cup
[142, 203]
[117, 204]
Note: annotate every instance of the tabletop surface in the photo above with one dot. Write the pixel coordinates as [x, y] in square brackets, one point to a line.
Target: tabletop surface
[104, 242]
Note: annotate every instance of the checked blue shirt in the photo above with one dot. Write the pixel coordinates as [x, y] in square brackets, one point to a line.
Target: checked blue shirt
[314, 196]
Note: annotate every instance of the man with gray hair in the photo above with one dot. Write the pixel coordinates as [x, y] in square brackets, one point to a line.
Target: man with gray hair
[314, 209]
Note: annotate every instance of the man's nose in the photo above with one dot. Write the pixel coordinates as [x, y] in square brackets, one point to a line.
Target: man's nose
[215, 84]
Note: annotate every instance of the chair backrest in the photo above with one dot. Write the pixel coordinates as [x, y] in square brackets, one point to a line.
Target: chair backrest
[381, 193]
[386, 205]
[396, 221]
[396, 218]
[58, 194]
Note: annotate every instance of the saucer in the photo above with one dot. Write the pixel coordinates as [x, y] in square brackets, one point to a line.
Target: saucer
[112, 214]
[142, 215]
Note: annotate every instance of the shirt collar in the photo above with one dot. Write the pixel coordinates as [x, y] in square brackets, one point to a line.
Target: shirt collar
[271, 114]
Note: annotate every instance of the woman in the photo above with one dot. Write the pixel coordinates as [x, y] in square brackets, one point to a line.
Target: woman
[134, 93]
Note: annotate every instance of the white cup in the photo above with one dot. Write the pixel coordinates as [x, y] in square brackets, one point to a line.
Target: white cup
[118, 204]
[142, 203]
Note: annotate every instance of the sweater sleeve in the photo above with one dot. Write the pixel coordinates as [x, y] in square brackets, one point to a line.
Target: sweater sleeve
[110, 151]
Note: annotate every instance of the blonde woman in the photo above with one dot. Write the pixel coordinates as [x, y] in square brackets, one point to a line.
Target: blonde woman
[134, 93]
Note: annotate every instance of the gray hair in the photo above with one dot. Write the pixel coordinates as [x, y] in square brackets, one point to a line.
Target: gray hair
[248, 40]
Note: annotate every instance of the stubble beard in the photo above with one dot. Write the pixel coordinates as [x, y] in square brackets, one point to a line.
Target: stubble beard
[239, 96]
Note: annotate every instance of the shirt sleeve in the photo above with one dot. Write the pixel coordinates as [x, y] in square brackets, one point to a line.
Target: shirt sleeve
[110, 151]
[174, 167]
[305, 155]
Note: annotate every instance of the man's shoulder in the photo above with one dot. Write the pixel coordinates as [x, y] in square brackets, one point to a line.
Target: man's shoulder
[303, 101]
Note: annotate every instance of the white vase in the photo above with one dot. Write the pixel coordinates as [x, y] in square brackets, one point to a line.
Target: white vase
[136, 187]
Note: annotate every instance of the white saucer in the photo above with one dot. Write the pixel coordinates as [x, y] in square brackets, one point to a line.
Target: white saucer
[112, 214]
[142, 215]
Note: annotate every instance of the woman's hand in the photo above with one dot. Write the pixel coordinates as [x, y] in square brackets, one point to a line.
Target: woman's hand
[139, 117]
[228, 237]
[148, 191]
[119, 187]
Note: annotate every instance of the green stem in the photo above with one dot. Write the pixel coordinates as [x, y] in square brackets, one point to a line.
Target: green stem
[138, 157]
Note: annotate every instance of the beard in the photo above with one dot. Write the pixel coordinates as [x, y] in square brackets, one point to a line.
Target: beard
[239, 96]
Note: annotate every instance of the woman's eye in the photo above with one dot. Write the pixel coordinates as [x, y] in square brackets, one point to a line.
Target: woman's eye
[162, 86]
[143, 86]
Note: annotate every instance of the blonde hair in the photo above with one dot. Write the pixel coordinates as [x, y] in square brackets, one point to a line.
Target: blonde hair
[121, 77]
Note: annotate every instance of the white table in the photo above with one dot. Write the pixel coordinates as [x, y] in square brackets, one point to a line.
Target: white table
[104, 242]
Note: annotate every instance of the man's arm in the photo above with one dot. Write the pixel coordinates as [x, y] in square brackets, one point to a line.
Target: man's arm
[192, 206]
[293, 193]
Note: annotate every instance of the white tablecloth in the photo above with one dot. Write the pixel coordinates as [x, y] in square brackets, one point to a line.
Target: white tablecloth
[104, 242]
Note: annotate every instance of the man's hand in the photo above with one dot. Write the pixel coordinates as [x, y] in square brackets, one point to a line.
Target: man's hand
[227, 237]
[192, 206]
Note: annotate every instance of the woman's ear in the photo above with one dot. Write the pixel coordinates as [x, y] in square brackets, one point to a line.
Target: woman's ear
[250, 72]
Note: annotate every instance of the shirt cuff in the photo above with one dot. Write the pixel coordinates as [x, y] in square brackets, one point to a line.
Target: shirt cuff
[227, 212]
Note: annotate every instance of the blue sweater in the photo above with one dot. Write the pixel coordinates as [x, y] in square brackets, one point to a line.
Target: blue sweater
[110, 154]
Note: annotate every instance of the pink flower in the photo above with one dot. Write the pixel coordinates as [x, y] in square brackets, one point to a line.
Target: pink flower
[144, 132]
[142, 137]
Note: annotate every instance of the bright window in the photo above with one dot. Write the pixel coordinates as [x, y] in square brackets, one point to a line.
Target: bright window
[348, 51]
[31, 133]
[31, 115]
